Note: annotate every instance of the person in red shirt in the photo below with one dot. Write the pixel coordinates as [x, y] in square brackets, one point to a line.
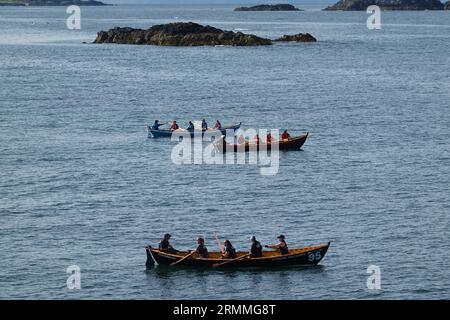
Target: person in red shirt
[218, 125]
[240, 139]
[174, 126]
[285, 135]
[269, 138]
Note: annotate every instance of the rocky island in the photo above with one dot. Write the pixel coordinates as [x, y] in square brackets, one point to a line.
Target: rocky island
[51, 3]
[189, 34]
[361, 5]
[269, 7]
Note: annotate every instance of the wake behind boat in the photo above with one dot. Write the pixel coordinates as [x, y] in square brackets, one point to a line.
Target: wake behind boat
[311, 255]
[167, 133]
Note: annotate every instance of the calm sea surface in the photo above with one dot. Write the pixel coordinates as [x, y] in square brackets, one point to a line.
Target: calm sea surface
[80, 183]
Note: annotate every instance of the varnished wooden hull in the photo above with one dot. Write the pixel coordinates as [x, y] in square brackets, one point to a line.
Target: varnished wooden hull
[292, 144]
[297, 257]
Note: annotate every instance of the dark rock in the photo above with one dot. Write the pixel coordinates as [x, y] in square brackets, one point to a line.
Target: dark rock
[301, 37]
[179, 34]
[361, 5]
[269, 7]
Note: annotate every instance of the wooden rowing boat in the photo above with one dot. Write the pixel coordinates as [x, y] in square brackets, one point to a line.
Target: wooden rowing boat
[311, 255]
[294, 143]
[167, 133]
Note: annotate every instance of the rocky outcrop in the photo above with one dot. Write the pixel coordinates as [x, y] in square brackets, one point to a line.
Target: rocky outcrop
[447, 6]
[301, 37]
[188, 34]
[361, 5]
[269, 7]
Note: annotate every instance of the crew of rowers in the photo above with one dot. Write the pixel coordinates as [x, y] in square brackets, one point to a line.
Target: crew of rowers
[218, 126]
[190, 127]
[227, 250]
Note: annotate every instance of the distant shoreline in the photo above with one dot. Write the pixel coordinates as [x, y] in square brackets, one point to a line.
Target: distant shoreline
[50, 3]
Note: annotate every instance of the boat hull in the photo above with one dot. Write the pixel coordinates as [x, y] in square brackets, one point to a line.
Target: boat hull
[295, 143]
[168, 133]
[297, 257]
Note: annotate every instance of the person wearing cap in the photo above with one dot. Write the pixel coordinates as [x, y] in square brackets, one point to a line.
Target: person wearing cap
[201, 249]
[228, 251]
[256, 249]
[281, 246]
[165, 246]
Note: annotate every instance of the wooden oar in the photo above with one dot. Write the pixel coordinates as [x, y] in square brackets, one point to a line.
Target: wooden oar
[229, 261]
[190, 254]
[218, 242]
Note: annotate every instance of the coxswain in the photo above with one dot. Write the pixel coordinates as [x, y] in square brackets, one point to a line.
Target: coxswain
[285, 135]
[165, 246]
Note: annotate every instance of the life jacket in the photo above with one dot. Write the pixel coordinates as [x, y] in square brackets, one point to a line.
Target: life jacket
[284, 250]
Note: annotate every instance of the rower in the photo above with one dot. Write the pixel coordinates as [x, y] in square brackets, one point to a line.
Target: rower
[281, 245]
[240, 139]
[201, 249]
[204, 125]
[285, 135]
[165, 246]
[156, 125]
[257, 139]
[218, 125]
[174, 126]
[191, 126]
[269, 138]
[228, 251]
[256, 249]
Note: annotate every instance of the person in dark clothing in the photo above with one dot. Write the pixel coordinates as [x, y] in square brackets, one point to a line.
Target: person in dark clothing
[156, 125]
[201, 249]
[191, 126]
[204, 125]
[256, 249]
[281, 246]
[228, 251]
[165, 246]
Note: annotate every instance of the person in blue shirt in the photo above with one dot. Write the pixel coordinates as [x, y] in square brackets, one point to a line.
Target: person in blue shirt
[201, 249]
[204, 125]
[190, 127]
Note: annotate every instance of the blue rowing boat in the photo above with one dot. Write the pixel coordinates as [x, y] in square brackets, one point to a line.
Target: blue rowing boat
[167, 133]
